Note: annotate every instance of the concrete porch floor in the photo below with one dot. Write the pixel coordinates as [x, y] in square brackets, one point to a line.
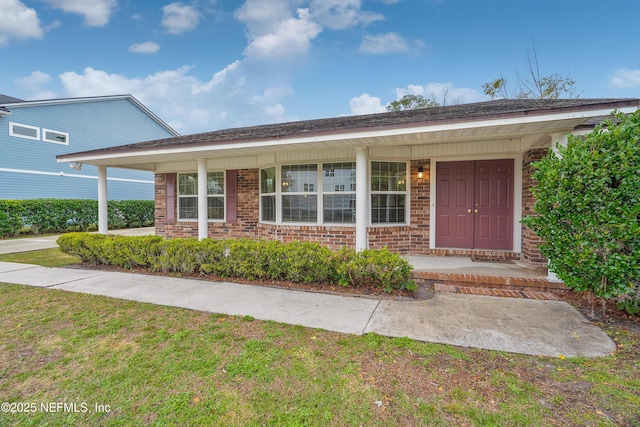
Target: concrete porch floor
[499, 278]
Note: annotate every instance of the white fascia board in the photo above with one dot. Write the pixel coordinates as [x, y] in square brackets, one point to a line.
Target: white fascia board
[285, 141]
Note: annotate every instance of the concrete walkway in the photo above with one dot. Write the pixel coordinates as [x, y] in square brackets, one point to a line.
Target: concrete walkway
[549, 328]
[27, 244]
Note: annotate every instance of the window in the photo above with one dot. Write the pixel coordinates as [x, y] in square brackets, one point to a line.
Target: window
[339, 192]
[54, 136]
[188, 196]
[388, 192]
[268, 194]
[299, 186]
[24, 131]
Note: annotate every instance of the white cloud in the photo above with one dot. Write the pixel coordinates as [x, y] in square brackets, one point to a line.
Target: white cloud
[366, 104]
[263, 16]
[218, 78]
[178, 18]
[18, 21]
[96, 12]
[146, 47]
[341, 14]
[291, 38]
[625, 78]
[184, 101]
[36, 84]
[384, 43]
[443, 93]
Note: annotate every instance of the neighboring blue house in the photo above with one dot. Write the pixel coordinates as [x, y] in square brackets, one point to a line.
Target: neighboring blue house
[33, 133]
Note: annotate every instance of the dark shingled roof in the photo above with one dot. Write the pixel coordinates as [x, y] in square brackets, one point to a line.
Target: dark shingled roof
[5, 99]
[449, 114]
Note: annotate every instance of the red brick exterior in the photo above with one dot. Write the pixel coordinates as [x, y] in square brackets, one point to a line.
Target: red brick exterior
[407, 239]
[530, 241]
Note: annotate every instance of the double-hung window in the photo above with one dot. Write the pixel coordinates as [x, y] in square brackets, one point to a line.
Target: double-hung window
[299, 186]
[339, 192]
[388, 192]
[268, 194]
[188, 196]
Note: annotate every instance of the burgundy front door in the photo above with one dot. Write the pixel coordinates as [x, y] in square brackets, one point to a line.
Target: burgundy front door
[474, 204]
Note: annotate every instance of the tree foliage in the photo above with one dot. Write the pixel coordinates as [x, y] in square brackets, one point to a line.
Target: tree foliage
[532, 84]
[411, 102]
[588, 209]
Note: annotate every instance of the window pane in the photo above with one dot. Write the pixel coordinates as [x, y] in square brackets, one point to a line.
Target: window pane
[188, 184]
[387, 208]
[30, 132]
[268, 208]
[299, 208]
[299, 178]
[388, 176]
[188, 208]
[268, 180]
[339, 208]
[338, 177]
[215, 208]
[215, 183]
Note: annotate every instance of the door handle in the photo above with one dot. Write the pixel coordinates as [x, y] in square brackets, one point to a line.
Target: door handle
[468, 210]
[476, 211]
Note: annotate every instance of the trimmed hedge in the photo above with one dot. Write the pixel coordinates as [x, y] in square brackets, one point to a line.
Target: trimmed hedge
[302, 262]
[60, 215]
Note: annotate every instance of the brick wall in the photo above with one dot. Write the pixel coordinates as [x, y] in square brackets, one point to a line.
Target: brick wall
[409, 239]
[248, 211]
[530, 241]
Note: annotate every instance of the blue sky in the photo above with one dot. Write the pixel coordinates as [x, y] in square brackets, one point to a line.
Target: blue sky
[204, 65]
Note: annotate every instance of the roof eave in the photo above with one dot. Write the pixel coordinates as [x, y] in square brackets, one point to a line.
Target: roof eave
[529, 116]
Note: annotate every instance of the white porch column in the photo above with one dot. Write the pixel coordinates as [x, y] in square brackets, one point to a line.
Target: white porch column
[103, 212]
[362, 197]
[203, 231]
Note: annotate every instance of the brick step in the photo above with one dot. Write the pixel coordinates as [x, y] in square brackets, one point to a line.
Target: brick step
[492, 282]
[508, 293]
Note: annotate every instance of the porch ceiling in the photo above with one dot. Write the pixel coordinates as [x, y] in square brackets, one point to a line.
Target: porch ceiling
[152, 159]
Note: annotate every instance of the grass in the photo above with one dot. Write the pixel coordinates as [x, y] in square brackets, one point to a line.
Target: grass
[45, 257]
[142, 364]
[115, 362]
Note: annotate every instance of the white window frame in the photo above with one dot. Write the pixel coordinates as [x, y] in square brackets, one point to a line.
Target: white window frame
[406, 193]
[17, 135]
[222, 196]
[341, 191]
[65, 134]
[270, 194]
[315, 191]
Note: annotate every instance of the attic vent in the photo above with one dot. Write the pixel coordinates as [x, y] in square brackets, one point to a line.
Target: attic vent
[24, 131]
[55, 136]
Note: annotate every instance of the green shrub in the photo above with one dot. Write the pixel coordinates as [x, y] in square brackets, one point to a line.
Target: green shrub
[379, 268]
[302, 262]
[631, 302]
[61, 215]
[10, 224]
[588, 209]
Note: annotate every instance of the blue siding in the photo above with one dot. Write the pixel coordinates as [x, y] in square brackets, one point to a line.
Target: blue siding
[28, 168]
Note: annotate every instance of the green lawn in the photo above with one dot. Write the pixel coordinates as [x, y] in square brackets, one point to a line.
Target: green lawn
[127, 363]
[44, 257]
